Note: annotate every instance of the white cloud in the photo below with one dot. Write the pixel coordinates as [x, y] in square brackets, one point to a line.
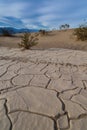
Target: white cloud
[46, 17]
[12, 21]
[12, 9]
[32, 26]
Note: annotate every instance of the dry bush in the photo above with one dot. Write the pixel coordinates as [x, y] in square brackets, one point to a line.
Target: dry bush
[28, 40]
[43, 32]
[6, 32]
[81, 32]
[64, 27]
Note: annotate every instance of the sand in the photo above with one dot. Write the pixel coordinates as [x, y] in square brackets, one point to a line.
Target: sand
[54, 39]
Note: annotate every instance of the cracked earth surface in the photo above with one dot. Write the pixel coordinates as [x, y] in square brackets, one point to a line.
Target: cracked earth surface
[43, 89]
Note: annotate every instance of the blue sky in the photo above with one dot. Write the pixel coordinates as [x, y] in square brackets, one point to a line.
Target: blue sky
[38, 14]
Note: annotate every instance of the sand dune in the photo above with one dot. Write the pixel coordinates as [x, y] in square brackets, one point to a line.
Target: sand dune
[54, 39]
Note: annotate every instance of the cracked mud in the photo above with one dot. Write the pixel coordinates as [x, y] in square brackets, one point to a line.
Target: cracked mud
[43, 90]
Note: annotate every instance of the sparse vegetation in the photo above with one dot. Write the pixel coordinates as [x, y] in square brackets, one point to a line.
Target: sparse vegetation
[28, 40]
[64, 26]
[81, 32]
[6, 32]
[43, 32]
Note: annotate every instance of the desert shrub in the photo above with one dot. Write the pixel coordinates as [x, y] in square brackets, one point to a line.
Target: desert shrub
[81, 32]
[64, 26]
[6, 32]
[43, 32]
[28, 40]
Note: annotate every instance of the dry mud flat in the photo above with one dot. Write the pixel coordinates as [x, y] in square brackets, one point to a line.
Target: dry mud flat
[43, 90]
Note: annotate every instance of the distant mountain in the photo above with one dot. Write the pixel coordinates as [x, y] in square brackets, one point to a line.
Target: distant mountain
[15, 30]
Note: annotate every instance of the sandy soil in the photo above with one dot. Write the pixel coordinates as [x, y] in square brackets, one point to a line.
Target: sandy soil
[54, 39]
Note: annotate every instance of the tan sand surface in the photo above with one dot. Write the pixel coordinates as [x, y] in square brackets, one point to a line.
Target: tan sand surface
[54, 39]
